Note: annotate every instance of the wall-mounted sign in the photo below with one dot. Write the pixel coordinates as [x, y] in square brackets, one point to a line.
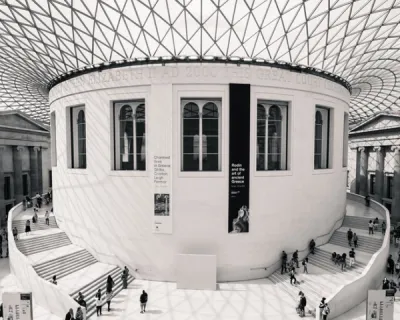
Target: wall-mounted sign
[162, 219]
[380, 305]
[17, 306]
[239, 158]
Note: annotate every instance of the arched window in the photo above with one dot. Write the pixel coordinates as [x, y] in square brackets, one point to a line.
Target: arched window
[81, 139]
[272, 117]
[130, 145]
[200, 135]
[321, 138]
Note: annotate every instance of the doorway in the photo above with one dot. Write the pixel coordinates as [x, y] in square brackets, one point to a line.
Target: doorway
[388, 206]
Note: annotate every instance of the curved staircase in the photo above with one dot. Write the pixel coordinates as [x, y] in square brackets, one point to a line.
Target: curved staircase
[49, 239]
[324, 276]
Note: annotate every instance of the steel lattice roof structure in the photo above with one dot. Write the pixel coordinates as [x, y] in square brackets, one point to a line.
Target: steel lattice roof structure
[357, 40]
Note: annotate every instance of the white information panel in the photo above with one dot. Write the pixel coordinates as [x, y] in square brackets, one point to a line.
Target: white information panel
[162, 218]
[380, 305]
[17, 306]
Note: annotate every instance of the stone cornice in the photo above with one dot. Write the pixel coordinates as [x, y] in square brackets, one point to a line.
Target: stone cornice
[18, 148]
[395, 149]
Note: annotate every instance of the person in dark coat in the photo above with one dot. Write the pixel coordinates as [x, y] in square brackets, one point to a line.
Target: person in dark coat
[70, 315]
[296, 258]
[143, 301]
[284, 262]
[124, 277]
[312, 246]
[390, 265]
[110, 284]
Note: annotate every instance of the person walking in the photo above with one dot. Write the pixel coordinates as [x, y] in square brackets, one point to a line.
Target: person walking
[355, 240]
[325, 312]
[98, 294]
[305, 264]
[79, 314]
[370, 227]
[303, 303]
[108, 300]
[98, 305]
[124, 277]
[312, 246]
[284, 262]
[350, 236]
[143, 301]
[352, 256]
[321, 307]
[390, 263]
[27, 227]
[367, 200]
[296, 258]
[383, 227]
[47, 216]
[54, 280]
[15, 233]
[110, 284]
[292, 276]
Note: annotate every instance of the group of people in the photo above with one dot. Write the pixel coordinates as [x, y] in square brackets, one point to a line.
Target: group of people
[341, 259]
[352, 237]
[373, 226]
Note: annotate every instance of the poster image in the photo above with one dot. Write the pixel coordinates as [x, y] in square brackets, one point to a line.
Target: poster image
[239, 158]
[161, 204]
[380, 305]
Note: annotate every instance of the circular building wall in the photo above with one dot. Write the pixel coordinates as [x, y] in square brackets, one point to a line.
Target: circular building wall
[240, 162]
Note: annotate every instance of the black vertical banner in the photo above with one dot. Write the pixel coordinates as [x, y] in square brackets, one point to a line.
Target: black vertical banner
[239, 157]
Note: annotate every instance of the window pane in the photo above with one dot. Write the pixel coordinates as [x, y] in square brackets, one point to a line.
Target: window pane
[274, 162]
[188, 145]
[190, 162]
[210, 144]
[318, 146]
[274, 144]
[261, 128]
[126, 162]
[210, 162]
[126, 145]
[191, 110]
[82, 161]
[317, 161]
[210, 127]
[7, 188]
[260, 161]
[210, 110]
[260, 145]
[140, 145]
[82, 146]
[190, 127]
[141, 161]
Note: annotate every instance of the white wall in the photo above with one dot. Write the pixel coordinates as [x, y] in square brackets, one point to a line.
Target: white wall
[111, 213]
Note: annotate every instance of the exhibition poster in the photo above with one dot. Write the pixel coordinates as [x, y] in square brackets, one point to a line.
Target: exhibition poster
[162, 220]
[17, 306]
[239, 158]
[380, 305]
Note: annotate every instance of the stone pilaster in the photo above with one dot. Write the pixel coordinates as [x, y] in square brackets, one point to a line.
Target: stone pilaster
[379, 173]
[34, 174]
[396, 185]
[17, 166]
[40, 171]
[362, 172]
[2, 202]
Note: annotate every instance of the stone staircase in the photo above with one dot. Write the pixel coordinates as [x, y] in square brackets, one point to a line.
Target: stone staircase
[360, 223]
[65, 265]
[329, 277]
[89, 291]
[43, 243]
[40, 225]
[365, 243]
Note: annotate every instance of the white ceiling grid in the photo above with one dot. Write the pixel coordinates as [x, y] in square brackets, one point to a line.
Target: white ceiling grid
[355, 39]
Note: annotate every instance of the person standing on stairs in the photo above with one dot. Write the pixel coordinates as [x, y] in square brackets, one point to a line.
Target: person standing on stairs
[98, 305]
[54, 280]
[124, 277]
[284, 262]
[390, 265]
[370, 227]
[355, 240]
[352, 256]
[27, 227]
[79, 314]
[296, 258]
[47, 216]
[376, 223]
[15, 233]
[303, 303]
[383, 227]
[110, 285]
[350, 236]
[325, 312]
[305, 264]
[321, 307]
[143, 301]
[343, 261]
[98, 294]
[70, 315]
[292, 277]
[312, 246]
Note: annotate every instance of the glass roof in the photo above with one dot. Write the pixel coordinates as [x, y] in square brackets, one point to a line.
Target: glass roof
[355, 39]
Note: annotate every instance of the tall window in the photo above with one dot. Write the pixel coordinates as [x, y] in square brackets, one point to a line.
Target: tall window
[345, 139]
[78, 137]
[201, 135]
[130, 135]
[321, 138]
[53, 132]
[272, 126]
[25, 184]
[372, 181]
[50, 178]
[390, 187]
[7, 188]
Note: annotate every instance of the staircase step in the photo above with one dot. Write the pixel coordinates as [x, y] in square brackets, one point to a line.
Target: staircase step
[71, 269]
[39, 266]
[61, 265]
